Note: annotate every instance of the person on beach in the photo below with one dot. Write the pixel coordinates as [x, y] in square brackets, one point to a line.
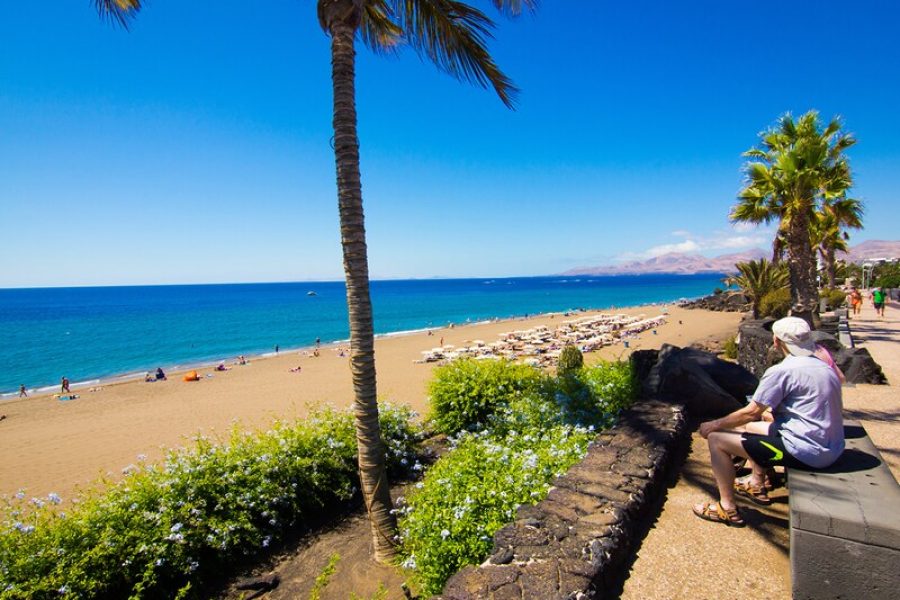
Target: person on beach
[276, 348]
[878, 300]
[22, 392]
[64, 386]
[807, 431]
[160, 374]
[318, 342]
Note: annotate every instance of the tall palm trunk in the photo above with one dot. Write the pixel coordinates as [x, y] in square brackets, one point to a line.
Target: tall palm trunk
[801, 266]
[830, 267]
[356, 269]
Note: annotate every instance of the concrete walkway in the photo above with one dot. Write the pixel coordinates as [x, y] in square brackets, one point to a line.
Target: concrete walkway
[684, 557]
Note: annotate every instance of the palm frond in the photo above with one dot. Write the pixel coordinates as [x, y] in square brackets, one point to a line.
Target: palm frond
[118, 11]
[377, 29]
[452, 35]
[514, 8]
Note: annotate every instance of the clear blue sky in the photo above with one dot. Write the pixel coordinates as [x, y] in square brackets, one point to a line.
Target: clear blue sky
[195, 148]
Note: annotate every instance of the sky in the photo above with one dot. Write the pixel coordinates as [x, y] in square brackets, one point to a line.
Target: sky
[195, 147]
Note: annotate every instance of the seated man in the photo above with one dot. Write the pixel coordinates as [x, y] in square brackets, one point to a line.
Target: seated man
[804, 394]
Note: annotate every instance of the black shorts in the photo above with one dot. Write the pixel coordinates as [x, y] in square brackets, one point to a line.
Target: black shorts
[768, 450]
[878, 305]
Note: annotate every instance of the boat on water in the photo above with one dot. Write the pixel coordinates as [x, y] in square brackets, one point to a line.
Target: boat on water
[311, 293]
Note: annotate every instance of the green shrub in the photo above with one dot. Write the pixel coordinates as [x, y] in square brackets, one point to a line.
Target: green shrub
[730, 348]
[164, 530]
[613, 385]
[466, 392]
[570, 360]
[833, 298]
[529, 440]
[775, 304]
[474, 491]
[888, 281]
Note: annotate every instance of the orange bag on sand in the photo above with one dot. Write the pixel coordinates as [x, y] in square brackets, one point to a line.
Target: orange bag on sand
[191, 376]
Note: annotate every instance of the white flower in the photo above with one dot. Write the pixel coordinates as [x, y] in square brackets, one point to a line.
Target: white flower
[176, 527]
[54, 498]
[445, 533]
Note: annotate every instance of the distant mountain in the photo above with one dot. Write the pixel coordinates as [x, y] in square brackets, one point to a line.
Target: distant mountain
[872, 249]
[687, 264]
[675, 262]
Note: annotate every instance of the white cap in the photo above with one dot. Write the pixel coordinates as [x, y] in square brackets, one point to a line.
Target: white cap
[796, 335]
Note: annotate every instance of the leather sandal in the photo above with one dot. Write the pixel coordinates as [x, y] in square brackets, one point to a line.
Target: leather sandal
[713, 511]
[758, 495]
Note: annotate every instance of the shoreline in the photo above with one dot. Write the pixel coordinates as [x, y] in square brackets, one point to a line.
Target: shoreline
[62, 447]
[10, 397]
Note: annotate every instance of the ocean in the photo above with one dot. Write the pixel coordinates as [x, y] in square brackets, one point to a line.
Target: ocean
[91, 334]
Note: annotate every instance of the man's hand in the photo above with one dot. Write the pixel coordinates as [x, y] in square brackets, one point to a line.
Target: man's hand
[708, 427]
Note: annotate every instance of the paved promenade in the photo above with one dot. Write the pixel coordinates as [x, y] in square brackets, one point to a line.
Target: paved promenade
[684, 557]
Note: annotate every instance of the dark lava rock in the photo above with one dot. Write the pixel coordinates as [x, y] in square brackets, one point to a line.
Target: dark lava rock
[755, 352]
[724, 302]
[859, 366]
[708, 386]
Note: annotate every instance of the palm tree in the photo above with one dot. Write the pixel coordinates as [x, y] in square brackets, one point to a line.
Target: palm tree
[798, 166]
[451, 34]
[756, 278]
[833, 218]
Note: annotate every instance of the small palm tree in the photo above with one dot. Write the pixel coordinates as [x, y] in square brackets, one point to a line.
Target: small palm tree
[832, 221]
[798, 166]
[451, 34]
[756, 278]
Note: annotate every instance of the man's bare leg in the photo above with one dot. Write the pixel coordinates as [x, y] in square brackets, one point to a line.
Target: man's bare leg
[722, 446]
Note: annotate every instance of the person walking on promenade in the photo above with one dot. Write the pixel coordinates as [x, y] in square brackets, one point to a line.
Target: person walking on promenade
[64, 385]
[878, 300]
[22, 392]
[855, 300]
[804, 394]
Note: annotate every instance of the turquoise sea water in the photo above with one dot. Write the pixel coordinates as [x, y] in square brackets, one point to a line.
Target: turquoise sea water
[96, 333]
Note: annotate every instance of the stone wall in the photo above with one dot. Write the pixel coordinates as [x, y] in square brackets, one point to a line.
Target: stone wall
[572, 544]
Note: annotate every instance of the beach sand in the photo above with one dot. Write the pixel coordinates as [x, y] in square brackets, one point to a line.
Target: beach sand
[52, 446]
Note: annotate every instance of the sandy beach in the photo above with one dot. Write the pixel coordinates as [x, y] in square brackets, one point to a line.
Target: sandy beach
[52, 446]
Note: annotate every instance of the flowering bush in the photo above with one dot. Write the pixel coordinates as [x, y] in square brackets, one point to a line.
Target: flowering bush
[613, 385]
[466, 392]
[475, 490]
[528, 439]
[164, 529]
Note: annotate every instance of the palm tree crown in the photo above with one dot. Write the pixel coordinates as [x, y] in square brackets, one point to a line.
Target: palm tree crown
[798, 166]
[756, 278]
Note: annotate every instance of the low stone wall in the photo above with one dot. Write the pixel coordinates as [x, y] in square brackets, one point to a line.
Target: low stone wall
[571, 545]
